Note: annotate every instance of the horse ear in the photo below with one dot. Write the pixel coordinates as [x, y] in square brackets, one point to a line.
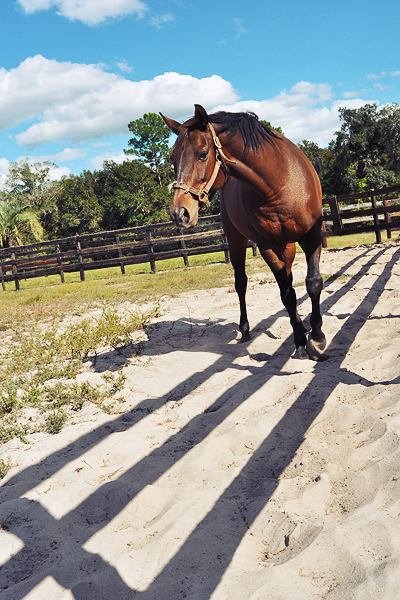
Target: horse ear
[174, 126]
[201, 116]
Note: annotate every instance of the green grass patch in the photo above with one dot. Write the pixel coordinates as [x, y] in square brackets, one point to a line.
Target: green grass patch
[5, 466]
[46, 298]
[358, 239]
[39, 366]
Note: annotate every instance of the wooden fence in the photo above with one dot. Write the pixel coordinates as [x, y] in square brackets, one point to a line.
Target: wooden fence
[146, 244]
[373, 212]
[150, 243]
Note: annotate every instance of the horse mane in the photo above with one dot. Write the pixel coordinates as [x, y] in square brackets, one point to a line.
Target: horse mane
[247, 124]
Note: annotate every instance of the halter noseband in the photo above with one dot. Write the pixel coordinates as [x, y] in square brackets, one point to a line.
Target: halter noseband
[203, 193]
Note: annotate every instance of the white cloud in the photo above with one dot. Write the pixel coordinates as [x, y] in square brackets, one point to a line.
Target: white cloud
[58, 172]
[4, 165]
[240, 29]
[59, 102]
[374, 76]
[77, 102]
[394, 73]
[90, 12]
[350, 94]
[301, 112]
[380, 87]
[65, 155]
[124, 67]
[39, 84]
[160, 20]
[117, 157]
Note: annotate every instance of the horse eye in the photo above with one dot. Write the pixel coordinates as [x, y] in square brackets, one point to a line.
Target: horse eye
[202, 155]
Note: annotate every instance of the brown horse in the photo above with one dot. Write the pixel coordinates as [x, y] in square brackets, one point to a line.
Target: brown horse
[270, 194]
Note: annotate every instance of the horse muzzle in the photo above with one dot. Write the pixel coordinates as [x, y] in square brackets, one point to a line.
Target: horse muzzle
[182, 217]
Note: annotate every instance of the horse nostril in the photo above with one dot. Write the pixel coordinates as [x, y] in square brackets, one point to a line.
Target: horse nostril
[180, 216]
[184, 216]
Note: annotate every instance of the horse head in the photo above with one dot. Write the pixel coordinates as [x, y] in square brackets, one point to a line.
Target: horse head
[197, 162]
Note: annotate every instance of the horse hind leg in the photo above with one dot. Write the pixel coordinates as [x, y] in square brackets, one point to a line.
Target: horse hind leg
[282, 270]
[316, 342]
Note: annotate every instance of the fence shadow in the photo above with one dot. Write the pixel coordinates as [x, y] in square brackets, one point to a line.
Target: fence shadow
[55, 547]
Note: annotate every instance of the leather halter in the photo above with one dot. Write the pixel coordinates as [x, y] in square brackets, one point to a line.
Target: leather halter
[203, 193]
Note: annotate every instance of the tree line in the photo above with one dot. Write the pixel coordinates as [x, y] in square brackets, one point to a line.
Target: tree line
[363, 155]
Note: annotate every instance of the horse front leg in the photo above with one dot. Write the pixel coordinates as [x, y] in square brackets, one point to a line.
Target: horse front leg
[281, 267]
[311, 246]
[237, 250]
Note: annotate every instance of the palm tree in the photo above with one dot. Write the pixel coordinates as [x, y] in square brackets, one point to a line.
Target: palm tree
[17, 224]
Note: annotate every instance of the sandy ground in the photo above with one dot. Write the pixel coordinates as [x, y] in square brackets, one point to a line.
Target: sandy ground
[237, 472]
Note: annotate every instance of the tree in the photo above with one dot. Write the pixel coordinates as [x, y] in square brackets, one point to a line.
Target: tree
[130, 195]
[19, 224]
[150, 145]
[268, 124]
[77, 207]
[366, 151]
[320, 158]
[30, 184]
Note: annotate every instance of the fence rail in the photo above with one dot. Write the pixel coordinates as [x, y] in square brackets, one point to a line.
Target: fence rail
[119, 248]
[150, 243]
[376, 213]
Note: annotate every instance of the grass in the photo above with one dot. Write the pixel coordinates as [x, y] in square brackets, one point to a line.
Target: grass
[46, 298]
[358, 239]
[39, 366]
[5, 466]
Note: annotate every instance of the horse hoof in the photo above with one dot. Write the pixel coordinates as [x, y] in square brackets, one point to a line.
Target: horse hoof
[300, 353]
[245, 331]
[315, 349]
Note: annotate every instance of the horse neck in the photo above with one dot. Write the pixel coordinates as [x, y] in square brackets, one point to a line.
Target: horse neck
[257, 169]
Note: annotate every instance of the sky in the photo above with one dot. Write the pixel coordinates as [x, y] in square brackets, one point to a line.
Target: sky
[74, 73]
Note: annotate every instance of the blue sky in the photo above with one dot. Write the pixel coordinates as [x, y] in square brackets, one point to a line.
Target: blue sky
[73, 73]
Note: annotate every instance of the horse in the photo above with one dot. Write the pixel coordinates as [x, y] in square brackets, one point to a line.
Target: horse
[270, 194]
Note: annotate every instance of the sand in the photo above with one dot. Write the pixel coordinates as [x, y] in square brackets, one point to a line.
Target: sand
[235, 472]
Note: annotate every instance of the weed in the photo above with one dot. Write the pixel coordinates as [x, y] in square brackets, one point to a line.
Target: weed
[55, 421]
[38, 364]
[114, 383]
[5, 466]
[8, 400]
[9, 429]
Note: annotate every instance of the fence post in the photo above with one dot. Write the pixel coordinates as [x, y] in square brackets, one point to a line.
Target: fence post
[324, 241]
[80, 259]
[121, 264]
[388, 220]
[59, 262]
[226, 251]
[336, 218]
[184, 247]
[150, 251]
[2, 280]
[378, 236]
[15, 272]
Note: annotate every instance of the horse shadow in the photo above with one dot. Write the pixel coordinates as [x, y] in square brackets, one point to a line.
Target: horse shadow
[55, 547]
